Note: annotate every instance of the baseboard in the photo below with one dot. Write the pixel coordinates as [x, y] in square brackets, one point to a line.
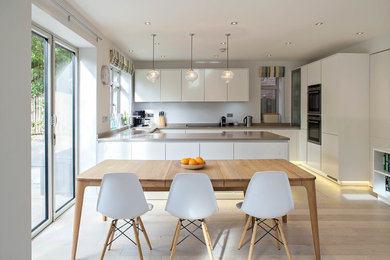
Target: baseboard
[354, 183]
[384, 199]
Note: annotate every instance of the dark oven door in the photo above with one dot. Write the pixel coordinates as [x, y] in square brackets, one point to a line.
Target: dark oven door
[314, 99]
[314, 129]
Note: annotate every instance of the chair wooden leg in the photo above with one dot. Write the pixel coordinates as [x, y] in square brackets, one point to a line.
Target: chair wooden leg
[253, 240]
[178, 226]
[208, 234]
[244, 231]
[206, 238]
[112, 234]
[145, 234]
[280, 226]
[175, 239]
[276, 233]
[137, 239]
[105, 243]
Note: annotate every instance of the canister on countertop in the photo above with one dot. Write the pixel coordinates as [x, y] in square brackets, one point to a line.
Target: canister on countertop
[161, 119]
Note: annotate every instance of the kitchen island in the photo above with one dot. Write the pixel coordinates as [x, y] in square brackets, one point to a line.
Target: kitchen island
[135, 144]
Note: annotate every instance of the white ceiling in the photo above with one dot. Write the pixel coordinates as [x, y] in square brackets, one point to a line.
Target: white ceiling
[264, 26]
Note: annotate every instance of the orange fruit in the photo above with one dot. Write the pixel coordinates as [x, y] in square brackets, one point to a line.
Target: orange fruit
[185, 161]
[192, 162]
[199, 160]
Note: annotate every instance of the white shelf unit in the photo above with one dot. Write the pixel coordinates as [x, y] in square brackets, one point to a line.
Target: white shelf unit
[380, 175]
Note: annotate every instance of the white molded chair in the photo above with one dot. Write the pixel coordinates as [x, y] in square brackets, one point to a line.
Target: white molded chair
[121, 197]
[268, 196]
[191, 198]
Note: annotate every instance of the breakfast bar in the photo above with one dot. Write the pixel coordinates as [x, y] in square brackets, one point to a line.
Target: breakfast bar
[225, 175]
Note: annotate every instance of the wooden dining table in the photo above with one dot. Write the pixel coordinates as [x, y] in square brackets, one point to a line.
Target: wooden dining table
[225, 175]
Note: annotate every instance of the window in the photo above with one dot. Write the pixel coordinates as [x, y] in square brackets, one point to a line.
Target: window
[115, 93]
[269, 96]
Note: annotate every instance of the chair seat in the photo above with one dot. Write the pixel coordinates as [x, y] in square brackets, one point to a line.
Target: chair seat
[239, 205]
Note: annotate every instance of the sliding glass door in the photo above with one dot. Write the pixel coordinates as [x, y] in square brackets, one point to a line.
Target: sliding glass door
[63, 130]
[53, 95]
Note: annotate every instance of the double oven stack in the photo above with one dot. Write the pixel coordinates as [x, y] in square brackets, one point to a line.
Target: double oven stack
[314, 114]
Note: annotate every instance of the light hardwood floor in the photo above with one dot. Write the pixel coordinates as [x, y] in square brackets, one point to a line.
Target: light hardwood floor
[353, 225]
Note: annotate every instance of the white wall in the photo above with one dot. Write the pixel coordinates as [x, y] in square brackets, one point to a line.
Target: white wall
[87, 108]
[15, 142]
[205, 112]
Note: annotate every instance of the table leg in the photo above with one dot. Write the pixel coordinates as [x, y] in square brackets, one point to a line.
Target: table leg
[312, 200]
[80, 186]
[284, 218]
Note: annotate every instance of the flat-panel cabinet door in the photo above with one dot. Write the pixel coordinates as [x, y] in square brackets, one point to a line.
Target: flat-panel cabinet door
[330, 155]
[330, 95]
[178, 151]
[148, 151]
[193, 91]
[314, 156]
[238, 87]
[293, 146]
[114, 150]
[304, 97]
[260, 150]
[216, 151]
[215, 87]
[314, 73]
[145, 90]
[171, 85]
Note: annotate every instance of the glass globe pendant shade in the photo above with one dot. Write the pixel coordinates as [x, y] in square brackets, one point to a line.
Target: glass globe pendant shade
[191, 75]
[153, 75]
[227, 76]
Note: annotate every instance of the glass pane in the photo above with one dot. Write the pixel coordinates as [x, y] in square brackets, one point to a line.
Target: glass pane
[64, 128]
[296, 98]
[39, 201]
[268, 100]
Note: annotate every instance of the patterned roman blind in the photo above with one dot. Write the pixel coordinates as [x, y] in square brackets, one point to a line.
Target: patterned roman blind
[268, 71]
[119, 61]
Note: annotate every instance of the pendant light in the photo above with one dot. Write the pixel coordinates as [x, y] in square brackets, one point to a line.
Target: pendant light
[227, 75]
[153, 74]
[191, 75]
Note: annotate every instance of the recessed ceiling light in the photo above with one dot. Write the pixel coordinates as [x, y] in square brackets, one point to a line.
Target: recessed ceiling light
[163, 56]
[157, 43]
[319, 23]
[359, 33]
[288, 43]
[234, 23]
[223, 43]
[269, 55]
[148, 23]
[131, 51]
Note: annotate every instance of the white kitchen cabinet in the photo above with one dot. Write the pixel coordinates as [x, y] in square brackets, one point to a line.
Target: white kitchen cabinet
[171, 85]
[314, 73]
[145, 90]
[113, 150]
[238, 87]
[261, 150]
[330, 94]
[302, 146]
[314, 156]
[330, 155]
[148, 151]
[293, 135]
[180, 150]
[216, 151]
[215, 87]
[193, 91]
[304, 97]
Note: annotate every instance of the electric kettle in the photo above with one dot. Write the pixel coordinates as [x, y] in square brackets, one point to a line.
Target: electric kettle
[248, 121]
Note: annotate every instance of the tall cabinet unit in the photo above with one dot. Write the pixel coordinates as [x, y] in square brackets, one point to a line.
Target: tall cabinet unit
[302, 133]
[345, 117]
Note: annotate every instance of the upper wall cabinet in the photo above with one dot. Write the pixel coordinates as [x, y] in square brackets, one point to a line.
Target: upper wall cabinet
[145, 90]
[171, 85]
[192, 91]
[238, 87]
[215, 87]
[314, 73]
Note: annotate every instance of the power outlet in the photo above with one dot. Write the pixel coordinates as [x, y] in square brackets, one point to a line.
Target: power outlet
[104, 119]
[229, 115]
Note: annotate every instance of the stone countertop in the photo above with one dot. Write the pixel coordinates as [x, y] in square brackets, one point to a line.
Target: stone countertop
[132, 135]
[240, 126]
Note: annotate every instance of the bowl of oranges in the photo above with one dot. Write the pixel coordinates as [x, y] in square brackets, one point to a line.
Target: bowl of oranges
[192, 164]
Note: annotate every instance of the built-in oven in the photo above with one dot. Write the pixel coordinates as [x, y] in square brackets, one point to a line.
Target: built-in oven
[314, 129]
[314, 99]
